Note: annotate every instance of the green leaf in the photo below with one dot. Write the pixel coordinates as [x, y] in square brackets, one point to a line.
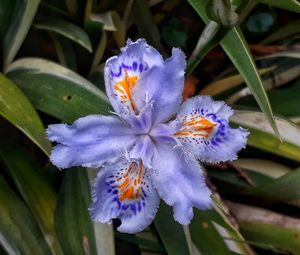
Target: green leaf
[209, 38]
[68, 30]
[6, 10]
[19, 232]
[237, 50]
[290, 5]
[56, 90]
[65, 51]
[286, 101]
[35, 189]
[261, 135]
[284, 189]
[170, 232]
[110, 20]
[218, 218]
[267, 229]
[72, 6]
[150, 245]
[206, 236]
[146, 25]
[72, 220]
[24, 14]
[229, 181]
[219, 86]
[287, 30]
[104, 233]
[99, 50]
[16, 108]
[266, 167]
[287, 69]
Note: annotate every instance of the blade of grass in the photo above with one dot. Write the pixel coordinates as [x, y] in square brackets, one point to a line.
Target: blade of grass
[35, 188]
[57, 90]
[68, 30]
[261, 135]
[17, 109]
[290, 5]
[237, 50]
[18, 29]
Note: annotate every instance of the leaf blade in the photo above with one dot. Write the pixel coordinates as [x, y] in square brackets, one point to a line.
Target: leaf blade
[72, 220]
[18, 29]
[35, 189]
[68, 30]
[237, 50]
[290, 5]
[261, 136]
[15, 107]
[57, 90]
[170, 231]
[18, 225]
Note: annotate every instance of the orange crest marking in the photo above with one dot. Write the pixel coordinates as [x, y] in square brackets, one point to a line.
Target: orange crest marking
[196, 126]
[130, 187]
[125, 88]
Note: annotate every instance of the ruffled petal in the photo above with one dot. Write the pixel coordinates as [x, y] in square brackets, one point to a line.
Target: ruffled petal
[205, 130]
[123, 190]
[162, 87]
[122, 73]
[179, 181]
[90, 141]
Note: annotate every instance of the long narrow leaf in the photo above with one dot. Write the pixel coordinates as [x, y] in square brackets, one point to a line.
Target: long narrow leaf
[269, 230]
[57, 90]
[170, 232]
[19, 232]
[290, 5]
[72, 221]
[261, 135]
[35, 189]
[237, 50]
[68, 30]
[15, 107]
[18, 29]
[104, 233]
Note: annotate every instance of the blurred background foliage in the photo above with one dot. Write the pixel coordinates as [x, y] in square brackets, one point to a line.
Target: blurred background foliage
[246, 53]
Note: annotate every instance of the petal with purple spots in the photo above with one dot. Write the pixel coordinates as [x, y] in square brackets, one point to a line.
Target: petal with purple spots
[205, 130]
[122, 72]
[124, 190]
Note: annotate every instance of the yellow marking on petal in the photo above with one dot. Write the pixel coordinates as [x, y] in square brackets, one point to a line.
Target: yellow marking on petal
[125, 87]
[130, 187]
[196, 126]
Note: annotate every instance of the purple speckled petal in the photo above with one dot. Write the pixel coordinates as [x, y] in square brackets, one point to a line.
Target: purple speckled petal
[123, 190]
[90, 141]
[135, 59]
[179, 181]
[162, 86]
[206, 132]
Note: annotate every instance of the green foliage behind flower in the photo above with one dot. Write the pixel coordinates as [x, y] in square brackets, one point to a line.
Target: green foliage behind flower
[243, 52]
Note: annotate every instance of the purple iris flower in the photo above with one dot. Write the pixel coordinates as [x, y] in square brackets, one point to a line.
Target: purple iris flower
[149, 148]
